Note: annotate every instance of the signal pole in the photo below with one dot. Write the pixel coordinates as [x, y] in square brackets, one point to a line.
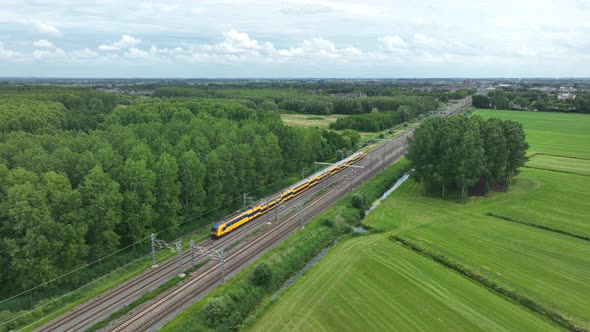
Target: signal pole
[179, 249]
[193, 252]
[153, 237]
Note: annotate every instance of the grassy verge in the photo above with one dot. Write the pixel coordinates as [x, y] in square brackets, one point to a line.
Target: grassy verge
[491, 285]
[239, 298]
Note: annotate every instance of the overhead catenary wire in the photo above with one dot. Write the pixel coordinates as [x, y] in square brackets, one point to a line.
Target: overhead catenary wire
[138, 242]
[148, 254]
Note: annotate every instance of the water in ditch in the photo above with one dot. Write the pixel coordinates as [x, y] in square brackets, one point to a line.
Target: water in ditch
[388, 192]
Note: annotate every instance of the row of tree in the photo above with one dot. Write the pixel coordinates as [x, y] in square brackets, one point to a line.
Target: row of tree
[318, 102]
[532, 100]
[34, 108]
[376, 120]
[465, 151]
[70, 196]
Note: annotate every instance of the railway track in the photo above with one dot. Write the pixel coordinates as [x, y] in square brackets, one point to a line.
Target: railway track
[100, 308]
[157, 312]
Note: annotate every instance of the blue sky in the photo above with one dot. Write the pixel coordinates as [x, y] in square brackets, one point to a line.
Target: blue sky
[445, 38]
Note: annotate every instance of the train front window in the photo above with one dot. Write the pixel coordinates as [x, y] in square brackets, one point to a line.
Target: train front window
[214, 228]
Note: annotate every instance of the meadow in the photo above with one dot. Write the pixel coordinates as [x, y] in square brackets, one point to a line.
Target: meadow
[531, 240]
[560, 134]
[310, 120]
[373, 284]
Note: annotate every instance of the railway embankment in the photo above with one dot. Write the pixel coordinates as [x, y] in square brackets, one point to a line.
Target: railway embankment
[238, 302]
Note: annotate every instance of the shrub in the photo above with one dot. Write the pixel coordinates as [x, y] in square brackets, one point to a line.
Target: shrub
[262, 274]
[359, 201]
[216, 311]
[327, 222]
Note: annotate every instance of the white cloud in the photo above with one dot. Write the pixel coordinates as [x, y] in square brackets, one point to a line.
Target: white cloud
[423, 40]
[7, 54]
[43, 43]
[393, 43]
[533, 37]
[126, 41]
[46, 28]
[56, 54]
[136, 53]
[83, 54]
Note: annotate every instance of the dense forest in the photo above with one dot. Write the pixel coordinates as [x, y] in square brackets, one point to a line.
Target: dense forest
[85, 174]
[528, 99]
[462, 151]
[81, 177]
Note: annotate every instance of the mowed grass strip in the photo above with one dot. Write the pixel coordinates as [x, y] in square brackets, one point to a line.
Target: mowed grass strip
[550, 268]
[560, 164]
[550, 133]
[373, 284]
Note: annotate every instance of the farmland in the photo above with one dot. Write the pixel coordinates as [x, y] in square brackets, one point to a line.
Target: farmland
[373, 283]
[369, 284]
[550, 133]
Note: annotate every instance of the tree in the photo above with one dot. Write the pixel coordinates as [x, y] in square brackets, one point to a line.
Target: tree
[39, 244]
[496, 151]
[102, 211]
[138, 184]
[498, 99]
[192, 179]
[462, 150]
[470, 163]
[516, 146]
[168, 191]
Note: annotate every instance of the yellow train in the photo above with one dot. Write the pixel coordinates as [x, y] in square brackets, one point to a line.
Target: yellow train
[220, 229]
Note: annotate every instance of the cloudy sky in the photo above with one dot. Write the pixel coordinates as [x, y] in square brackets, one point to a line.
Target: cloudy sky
[295, 38]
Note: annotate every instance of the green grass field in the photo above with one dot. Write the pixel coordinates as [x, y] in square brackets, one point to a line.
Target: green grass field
[560, 164]
[551, 133]
[551, 268]
[371, 283]
[310, 120]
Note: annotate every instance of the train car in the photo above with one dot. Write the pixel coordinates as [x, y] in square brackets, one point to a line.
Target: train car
[220, 229]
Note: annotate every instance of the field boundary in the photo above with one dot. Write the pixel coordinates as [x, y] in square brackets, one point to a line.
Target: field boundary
[491, 285]
[557, 171]
[556, 155]
[545, 228]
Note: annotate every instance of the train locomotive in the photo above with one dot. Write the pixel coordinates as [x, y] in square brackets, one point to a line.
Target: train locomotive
[221, 229]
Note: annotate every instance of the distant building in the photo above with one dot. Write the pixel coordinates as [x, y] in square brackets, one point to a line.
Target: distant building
[567, 89]
[566, 95]
[349, 95]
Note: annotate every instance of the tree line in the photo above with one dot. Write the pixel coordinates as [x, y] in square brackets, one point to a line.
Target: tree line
[525, 99]
[464, 151]
[320, 102]
[78, 181]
